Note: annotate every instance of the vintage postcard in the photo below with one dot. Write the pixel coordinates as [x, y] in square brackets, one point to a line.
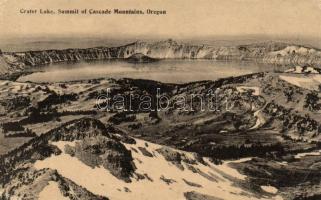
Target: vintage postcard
[160, 99]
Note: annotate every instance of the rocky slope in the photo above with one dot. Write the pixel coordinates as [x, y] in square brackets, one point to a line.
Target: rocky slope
[245, 107]
[128, 152]
[269, 52]
[82, 160]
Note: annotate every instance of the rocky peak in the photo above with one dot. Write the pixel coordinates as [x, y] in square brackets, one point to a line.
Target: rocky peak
[78, 129]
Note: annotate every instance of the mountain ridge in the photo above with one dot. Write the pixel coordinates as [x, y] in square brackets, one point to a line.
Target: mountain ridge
[276, 53]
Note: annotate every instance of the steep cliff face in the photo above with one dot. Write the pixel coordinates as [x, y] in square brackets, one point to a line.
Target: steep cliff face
[294, 55]
[269, 52]
[7, 66]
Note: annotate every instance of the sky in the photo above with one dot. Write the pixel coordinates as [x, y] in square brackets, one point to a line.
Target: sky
[184, 18]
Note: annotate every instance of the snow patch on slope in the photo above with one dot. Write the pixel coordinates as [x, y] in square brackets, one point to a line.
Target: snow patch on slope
[269, 189]
[307, 82]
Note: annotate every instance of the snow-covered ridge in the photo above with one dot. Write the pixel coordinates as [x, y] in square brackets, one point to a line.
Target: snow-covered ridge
[163, 179]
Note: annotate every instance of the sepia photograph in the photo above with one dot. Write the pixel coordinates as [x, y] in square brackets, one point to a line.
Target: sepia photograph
[160, 100]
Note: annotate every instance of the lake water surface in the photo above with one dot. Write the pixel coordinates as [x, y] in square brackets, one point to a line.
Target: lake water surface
[170, 71]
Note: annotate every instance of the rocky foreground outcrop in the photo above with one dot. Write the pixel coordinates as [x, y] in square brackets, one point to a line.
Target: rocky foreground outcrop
[85, 160]
[94, 137]
[29, 183]
[269, 52]
[106, 152]
[95, 146]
